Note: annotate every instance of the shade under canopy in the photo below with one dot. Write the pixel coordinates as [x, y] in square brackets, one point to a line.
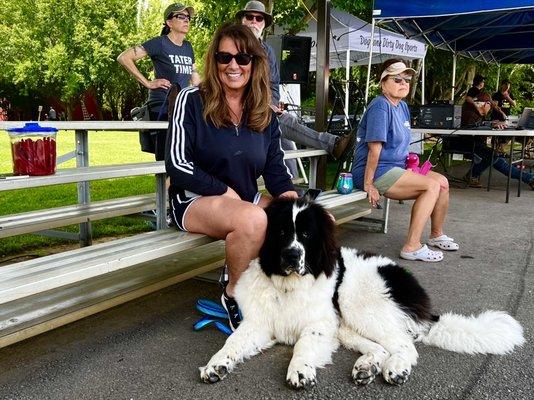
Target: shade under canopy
[499, 31]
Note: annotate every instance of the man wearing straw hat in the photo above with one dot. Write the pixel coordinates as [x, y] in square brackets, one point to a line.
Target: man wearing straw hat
[257, 19]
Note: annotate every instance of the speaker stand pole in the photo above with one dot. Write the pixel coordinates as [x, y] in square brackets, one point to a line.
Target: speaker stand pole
[347, 87]
[322, 77]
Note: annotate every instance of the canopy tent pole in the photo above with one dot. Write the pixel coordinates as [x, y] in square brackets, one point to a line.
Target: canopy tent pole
[453, 76]
[498, 77]
[370, 60]
[347, 86]
[423, 82]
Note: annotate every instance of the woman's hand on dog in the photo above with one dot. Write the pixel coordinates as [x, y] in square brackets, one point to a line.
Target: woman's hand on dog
[290, 194]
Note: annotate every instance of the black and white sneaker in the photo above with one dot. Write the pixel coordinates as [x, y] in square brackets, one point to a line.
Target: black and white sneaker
[231, 307]
[224, 279]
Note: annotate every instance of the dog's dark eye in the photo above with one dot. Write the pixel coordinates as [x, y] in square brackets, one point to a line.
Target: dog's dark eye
[282, 233]
[305, 235]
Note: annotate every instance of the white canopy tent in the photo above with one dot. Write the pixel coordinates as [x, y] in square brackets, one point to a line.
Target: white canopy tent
[350, 41]
[350, 45]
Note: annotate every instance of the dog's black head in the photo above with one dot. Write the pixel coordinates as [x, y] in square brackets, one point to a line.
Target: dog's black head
[300, 239]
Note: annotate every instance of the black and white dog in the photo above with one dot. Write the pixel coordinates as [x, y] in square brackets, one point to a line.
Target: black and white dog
[305, 291]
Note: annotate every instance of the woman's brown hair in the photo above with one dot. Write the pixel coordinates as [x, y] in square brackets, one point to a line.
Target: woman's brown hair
[257, 96]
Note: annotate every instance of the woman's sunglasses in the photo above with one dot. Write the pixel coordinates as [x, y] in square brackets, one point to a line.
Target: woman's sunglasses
[252, 17]
[240, 58]
[399, 79]
[182, 17]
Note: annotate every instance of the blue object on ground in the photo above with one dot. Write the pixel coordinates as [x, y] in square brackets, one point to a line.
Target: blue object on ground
[212, 312]
[211, 308]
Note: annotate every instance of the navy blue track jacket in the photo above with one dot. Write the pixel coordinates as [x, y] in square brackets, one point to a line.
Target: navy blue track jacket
[205, 160]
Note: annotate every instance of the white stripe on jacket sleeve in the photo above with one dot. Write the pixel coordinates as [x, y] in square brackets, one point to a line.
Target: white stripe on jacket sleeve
[177, 149]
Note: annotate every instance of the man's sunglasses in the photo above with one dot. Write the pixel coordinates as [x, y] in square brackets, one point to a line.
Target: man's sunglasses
[252, 17]
[182, 17]
[399, 79]
[240, 58]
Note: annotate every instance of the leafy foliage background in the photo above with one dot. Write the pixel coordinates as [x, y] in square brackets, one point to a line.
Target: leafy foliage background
[59, 49]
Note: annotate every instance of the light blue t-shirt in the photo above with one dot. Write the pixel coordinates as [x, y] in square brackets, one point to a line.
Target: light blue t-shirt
[386, 123]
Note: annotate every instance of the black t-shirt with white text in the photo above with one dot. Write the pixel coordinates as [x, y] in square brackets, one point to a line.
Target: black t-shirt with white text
[171, 62]
[504, 105]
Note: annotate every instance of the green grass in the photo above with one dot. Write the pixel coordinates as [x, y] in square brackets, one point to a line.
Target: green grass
[104, 148]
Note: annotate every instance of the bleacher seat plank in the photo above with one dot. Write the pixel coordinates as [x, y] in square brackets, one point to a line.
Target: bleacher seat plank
[17, 224]
[34, 276]
[349, 212]
[44, 311]
[81, 174]
[30, 277]
[332, 199]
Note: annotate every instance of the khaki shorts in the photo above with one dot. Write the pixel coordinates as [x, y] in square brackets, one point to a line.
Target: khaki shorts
[388, 179]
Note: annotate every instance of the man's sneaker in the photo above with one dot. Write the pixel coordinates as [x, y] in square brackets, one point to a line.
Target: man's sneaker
[474, 182]
[342, 146]
[231, 307]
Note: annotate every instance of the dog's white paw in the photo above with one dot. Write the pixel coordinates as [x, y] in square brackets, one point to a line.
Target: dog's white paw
[301, 377]
[396, 370]
[366, 368]
[213, 373]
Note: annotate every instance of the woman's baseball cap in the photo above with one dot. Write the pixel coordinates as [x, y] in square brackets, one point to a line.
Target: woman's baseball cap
[177, 7]
[396, 69]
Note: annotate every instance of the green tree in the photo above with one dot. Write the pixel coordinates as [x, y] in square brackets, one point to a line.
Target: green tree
[62, 48]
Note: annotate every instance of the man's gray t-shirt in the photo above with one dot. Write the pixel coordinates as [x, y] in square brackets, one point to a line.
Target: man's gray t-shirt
[171, 62]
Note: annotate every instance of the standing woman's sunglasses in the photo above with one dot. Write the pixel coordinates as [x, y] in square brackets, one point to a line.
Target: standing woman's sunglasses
[240, 58]
[181, 17]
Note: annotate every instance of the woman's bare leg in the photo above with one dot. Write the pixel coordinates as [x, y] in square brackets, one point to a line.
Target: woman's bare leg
[439, 214]
[426, 192]
[241, 224]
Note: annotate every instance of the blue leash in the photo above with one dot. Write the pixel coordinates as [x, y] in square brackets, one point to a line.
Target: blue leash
[212, 312]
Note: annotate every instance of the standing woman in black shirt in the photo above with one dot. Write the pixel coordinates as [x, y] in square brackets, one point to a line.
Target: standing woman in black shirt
[174, 63]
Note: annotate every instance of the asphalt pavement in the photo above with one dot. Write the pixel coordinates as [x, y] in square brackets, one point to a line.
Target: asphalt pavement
[147, 349]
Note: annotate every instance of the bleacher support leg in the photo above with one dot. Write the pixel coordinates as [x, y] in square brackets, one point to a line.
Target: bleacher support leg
[84, 188]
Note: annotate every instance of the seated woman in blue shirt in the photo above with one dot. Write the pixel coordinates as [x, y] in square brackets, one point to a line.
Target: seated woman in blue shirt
[383, 140]
[223, 136]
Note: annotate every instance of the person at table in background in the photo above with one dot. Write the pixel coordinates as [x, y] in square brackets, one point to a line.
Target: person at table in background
[52, 115]
[382, 144]
[174, 63]
[257, 19]
[223, 136]
[474, 110]
[505, 101]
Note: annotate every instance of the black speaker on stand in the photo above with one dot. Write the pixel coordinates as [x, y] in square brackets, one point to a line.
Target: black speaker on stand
[293, 57]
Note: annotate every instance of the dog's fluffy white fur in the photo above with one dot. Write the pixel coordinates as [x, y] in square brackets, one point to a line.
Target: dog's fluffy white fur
[290, 295]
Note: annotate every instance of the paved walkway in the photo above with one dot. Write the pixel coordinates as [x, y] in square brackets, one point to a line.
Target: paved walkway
[147, 350]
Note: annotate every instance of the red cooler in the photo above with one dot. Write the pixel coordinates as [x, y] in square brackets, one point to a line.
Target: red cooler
[33, 148]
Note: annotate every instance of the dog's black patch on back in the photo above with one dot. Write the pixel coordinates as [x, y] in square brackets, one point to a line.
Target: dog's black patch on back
[339, 280]
[407, 292]
[314, 230]
[365, 254]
